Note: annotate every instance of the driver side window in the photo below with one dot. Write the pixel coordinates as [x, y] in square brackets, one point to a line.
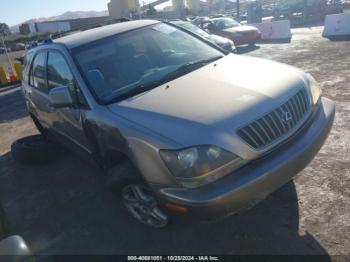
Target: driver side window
[59, 74]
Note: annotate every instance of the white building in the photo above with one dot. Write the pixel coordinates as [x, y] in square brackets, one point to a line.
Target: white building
[54, 26]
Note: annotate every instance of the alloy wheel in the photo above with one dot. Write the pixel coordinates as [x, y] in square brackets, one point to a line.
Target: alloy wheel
[143, 206]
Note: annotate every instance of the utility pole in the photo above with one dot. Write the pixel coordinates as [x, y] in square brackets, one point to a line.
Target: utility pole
[237, 8]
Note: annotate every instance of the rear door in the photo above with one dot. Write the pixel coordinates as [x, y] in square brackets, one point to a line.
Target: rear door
[38, 91]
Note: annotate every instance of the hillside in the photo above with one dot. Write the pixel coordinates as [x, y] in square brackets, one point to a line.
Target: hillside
[64, 16]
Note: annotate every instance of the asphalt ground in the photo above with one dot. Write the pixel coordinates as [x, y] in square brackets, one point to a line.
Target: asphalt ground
[63, 207]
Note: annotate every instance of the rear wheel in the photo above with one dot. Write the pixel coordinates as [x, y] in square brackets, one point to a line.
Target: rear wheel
[143, 206]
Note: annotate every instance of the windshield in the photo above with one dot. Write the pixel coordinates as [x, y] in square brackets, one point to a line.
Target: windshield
[130, 63]
[226, 23]
[194, 29]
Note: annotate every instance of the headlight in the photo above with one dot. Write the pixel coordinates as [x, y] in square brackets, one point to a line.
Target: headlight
[315, 89]
[200, 165]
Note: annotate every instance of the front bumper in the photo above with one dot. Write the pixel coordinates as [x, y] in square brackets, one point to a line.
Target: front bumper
[247, 38]
[253, 182]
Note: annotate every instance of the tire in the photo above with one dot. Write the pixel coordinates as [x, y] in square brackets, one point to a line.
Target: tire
[143, 206]
[122, 175]
[125, 181]
[35, 150]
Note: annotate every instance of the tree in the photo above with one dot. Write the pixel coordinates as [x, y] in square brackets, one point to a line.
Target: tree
[4, 29]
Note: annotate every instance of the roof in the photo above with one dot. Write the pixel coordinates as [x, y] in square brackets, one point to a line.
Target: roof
[85, 37]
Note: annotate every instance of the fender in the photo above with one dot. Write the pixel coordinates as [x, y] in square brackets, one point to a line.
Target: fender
[108, 146]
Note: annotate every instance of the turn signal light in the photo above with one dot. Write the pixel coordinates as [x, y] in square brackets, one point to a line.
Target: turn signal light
[177, 208]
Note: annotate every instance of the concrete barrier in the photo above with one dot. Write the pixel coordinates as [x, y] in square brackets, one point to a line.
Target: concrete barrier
[277, 30]
[18, 69]
[3, 77]
[337, 25]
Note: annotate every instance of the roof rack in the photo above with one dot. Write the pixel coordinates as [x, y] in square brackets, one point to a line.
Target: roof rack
[47, 40]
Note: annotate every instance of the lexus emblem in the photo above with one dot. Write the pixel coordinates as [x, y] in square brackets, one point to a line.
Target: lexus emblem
[286, 116]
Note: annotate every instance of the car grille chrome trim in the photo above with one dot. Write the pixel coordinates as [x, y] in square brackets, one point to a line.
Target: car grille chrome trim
[278, 123]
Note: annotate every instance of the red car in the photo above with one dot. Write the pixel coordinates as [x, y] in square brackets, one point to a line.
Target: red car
[231, 29]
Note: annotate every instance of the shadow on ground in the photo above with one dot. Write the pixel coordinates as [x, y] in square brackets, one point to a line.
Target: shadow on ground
[11, 113]
[64, 208]
[343, 38]
[250, 48]
[246, 49]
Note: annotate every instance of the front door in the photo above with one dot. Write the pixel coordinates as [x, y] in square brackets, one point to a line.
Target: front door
[69, 122]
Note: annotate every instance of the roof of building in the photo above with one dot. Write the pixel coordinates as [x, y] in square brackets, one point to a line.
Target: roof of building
[85, 37]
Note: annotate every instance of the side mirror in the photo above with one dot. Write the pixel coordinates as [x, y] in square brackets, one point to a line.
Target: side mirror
[60, 97]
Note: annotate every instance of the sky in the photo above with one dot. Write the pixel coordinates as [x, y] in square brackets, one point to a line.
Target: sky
[13, 12]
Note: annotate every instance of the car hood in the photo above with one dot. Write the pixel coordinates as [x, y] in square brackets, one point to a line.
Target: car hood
[209, 104]
[243, 28]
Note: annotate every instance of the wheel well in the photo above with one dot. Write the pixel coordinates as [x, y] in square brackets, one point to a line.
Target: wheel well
[120, 171]
[114, 157]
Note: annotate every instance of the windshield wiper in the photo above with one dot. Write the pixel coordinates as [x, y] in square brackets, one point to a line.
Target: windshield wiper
[189, 66]
[181, 70]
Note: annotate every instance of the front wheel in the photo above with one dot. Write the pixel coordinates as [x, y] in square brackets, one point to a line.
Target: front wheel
[143, 206]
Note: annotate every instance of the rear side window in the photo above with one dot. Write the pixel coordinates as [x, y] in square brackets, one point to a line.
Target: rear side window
[38, 73]
[26, 63]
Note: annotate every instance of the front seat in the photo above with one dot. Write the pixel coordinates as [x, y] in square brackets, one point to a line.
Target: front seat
[131, 65]
[97, 80]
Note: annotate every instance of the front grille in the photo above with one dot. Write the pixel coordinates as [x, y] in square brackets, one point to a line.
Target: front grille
[269, 128]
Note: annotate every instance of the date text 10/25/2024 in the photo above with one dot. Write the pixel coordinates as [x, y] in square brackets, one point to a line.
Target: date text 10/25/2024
[173, 258]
